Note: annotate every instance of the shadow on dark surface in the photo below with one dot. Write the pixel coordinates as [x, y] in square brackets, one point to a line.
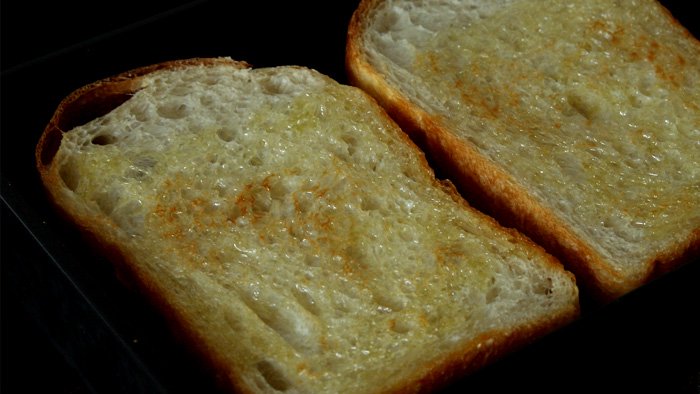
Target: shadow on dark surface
[30, 361]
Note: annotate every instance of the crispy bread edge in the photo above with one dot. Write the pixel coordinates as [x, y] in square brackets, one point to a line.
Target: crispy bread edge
[483, 351]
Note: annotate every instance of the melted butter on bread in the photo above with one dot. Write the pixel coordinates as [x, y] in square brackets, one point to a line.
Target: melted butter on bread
[294, 229]
[579, 100]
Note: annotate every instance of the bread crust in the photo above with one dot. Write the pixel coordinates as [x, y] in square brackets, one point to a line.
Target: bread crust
[482, 351]
[488, 187]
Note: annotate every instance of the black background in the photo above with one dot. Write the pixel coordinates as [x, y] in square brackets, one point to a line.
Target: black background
[68, 326]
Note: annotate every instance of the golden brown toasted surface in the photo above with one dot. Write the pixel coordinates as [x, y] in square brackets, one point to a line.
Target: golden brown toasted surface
[578, 122]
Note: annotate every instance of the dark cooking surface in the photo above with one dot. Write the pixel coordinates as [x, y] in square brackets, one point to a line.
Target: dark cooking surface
[68, 326]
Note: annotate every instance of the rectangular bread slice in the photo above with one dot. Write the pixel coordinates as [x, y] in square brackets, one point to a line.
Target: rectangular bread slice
[577, 122]
[292, 232]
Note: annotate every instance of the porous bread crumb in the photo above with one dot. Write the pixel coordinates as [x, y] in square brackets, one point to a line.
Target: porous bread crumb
[590, 106]
[298, 232]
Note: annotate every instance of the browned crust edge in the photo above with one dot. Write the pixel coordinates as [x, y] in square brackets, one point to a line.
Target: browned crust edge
[69, 113]
[491, 189]
[482, 351]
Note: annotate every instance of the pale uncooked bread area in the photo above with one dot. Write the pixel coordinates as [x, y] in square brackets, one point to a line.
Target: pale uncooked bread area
[596, 100]
[299, 232]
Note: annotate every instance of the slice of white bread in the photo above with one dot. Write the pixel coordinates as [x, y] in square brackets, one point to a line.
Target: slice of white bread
[577, 122]
[287, 226]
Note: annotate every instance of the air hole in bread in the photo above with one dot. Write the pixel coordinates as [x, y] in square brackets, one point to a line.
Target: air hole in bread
[370, 203]
[273, 376]
[69, 175]
[545, 288]
[226, 134]
[174, 110]
[399, 326]
[351, 142]
[103, 139]
[255, 161]
[388, 302]
[492, 294]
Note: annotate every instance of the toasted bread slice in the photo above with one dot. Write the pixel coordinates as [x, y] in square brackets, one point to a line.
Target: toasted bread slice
[292, 231]
[577, 122]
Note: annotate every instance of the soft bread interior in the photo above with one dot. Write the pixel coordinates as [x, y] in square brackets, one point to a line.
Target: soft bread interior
[299, 234]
